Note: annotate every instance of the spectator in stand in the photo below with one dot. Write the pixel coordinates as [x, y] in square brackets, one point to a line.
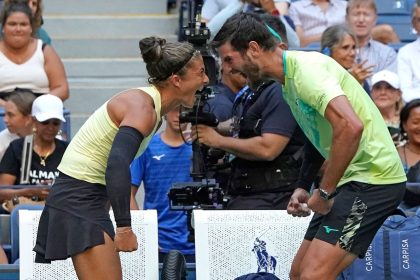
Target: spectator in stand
[312, 17]
[17, 118]
[47, 112]
[166, 161]
[339, 42]
[409, 61]
[361, 17]
[26, 62]
[36, 7]
[212, 7]
[44, 155]
[410, 151]
[386, 95]
[269, 6]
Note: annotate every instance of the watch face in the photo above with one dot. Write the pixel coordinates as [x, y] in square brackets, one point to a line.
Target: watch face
[324, 194]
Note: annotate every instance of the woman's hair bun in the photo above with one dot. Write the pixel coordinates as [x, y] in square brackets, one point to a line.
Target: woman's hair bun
[151, 49]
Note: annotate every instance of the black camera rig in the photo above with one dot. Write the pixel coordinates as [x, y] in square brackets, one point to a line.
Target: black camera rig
[193, 30]
[204, 192]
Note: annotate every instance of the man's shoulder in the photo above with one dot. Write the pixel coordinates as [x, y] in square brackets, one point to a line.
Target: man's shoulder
[272, 89]
[17, 143]
[222, 90]
[409, 48]
[378, 46]
[308, 60]
[304, 55]
[155, 141]
[7, 136]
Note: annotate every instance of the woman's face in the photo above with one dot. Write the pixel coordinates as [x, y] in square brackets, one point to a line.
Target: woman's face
[412, 126]
[15, 121]
[192, 81]
[345, 52]
[17, 30]
[47, 130]
[385, 96]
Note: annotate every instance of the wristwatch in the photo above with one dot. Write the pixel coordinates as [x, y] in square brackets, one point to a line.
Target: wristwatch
[326, 195]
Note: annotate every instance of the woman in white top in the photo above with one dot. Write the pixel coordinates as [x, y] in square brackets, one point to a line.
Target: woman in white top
[24, 61]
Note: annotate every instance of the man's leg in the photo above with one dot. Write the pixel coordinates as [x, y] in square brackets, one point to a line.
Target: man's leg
[297, 260]
[324, 261]
[99, 262]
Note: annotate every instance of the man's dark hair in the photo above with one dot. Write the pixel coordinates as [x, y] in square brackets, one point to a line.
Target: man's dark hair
[275, 23]
[242, 28]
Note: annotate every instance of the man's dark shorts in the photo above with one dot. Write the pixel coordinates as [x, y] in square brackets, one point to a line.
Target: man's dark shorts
[358, 212]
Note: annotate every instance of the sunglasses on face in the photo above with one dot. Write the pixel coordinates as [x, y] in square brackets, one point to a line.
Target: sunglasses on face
[53, 122]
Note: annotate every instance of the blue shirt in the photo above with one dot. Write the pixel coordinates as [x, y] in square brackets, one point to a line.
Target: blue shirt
[159, 167]
[221, 105]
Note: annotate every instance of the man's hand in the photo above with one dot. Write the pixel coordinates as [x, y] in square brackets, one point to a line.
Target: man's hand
[297, 205]
[125, 240]
[318, 204]
[206, 135]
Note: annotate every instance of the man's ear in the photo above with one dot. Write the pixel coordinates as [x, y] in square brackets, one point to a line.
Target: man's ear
[28, 120]
[283, 46]
[253, 48]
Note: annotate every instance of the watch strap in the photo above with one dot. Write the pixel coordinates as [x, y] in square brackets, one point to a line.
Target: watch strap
[326, 195]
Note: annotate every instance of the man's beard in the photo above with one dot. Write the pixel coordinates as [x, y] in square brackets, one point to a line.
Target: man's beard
[253, 72]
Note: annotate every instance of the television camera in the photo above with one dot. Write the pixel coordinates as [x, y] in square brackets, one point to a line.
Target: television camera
[203, 192]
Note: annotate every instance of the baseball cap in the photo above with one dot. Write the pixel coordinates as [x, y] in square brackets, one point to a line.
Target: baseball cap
[386, 76]
[46, 107]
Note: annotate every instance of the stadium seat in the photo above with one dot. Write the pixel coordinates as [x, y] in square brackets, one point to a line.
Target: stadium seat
[394, 7]
[142, 264]
[14, 228]
[402, 26]
[232, 243]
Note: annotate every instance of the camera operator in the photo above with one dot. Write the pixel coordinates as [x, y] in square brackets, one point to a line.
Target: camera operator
[267, 145]
[225, 92]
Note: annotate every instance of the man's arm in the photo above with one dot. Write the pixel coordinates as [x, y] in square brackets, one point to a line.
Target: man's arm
[347, 132]
[306, 40]
[265, 147]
